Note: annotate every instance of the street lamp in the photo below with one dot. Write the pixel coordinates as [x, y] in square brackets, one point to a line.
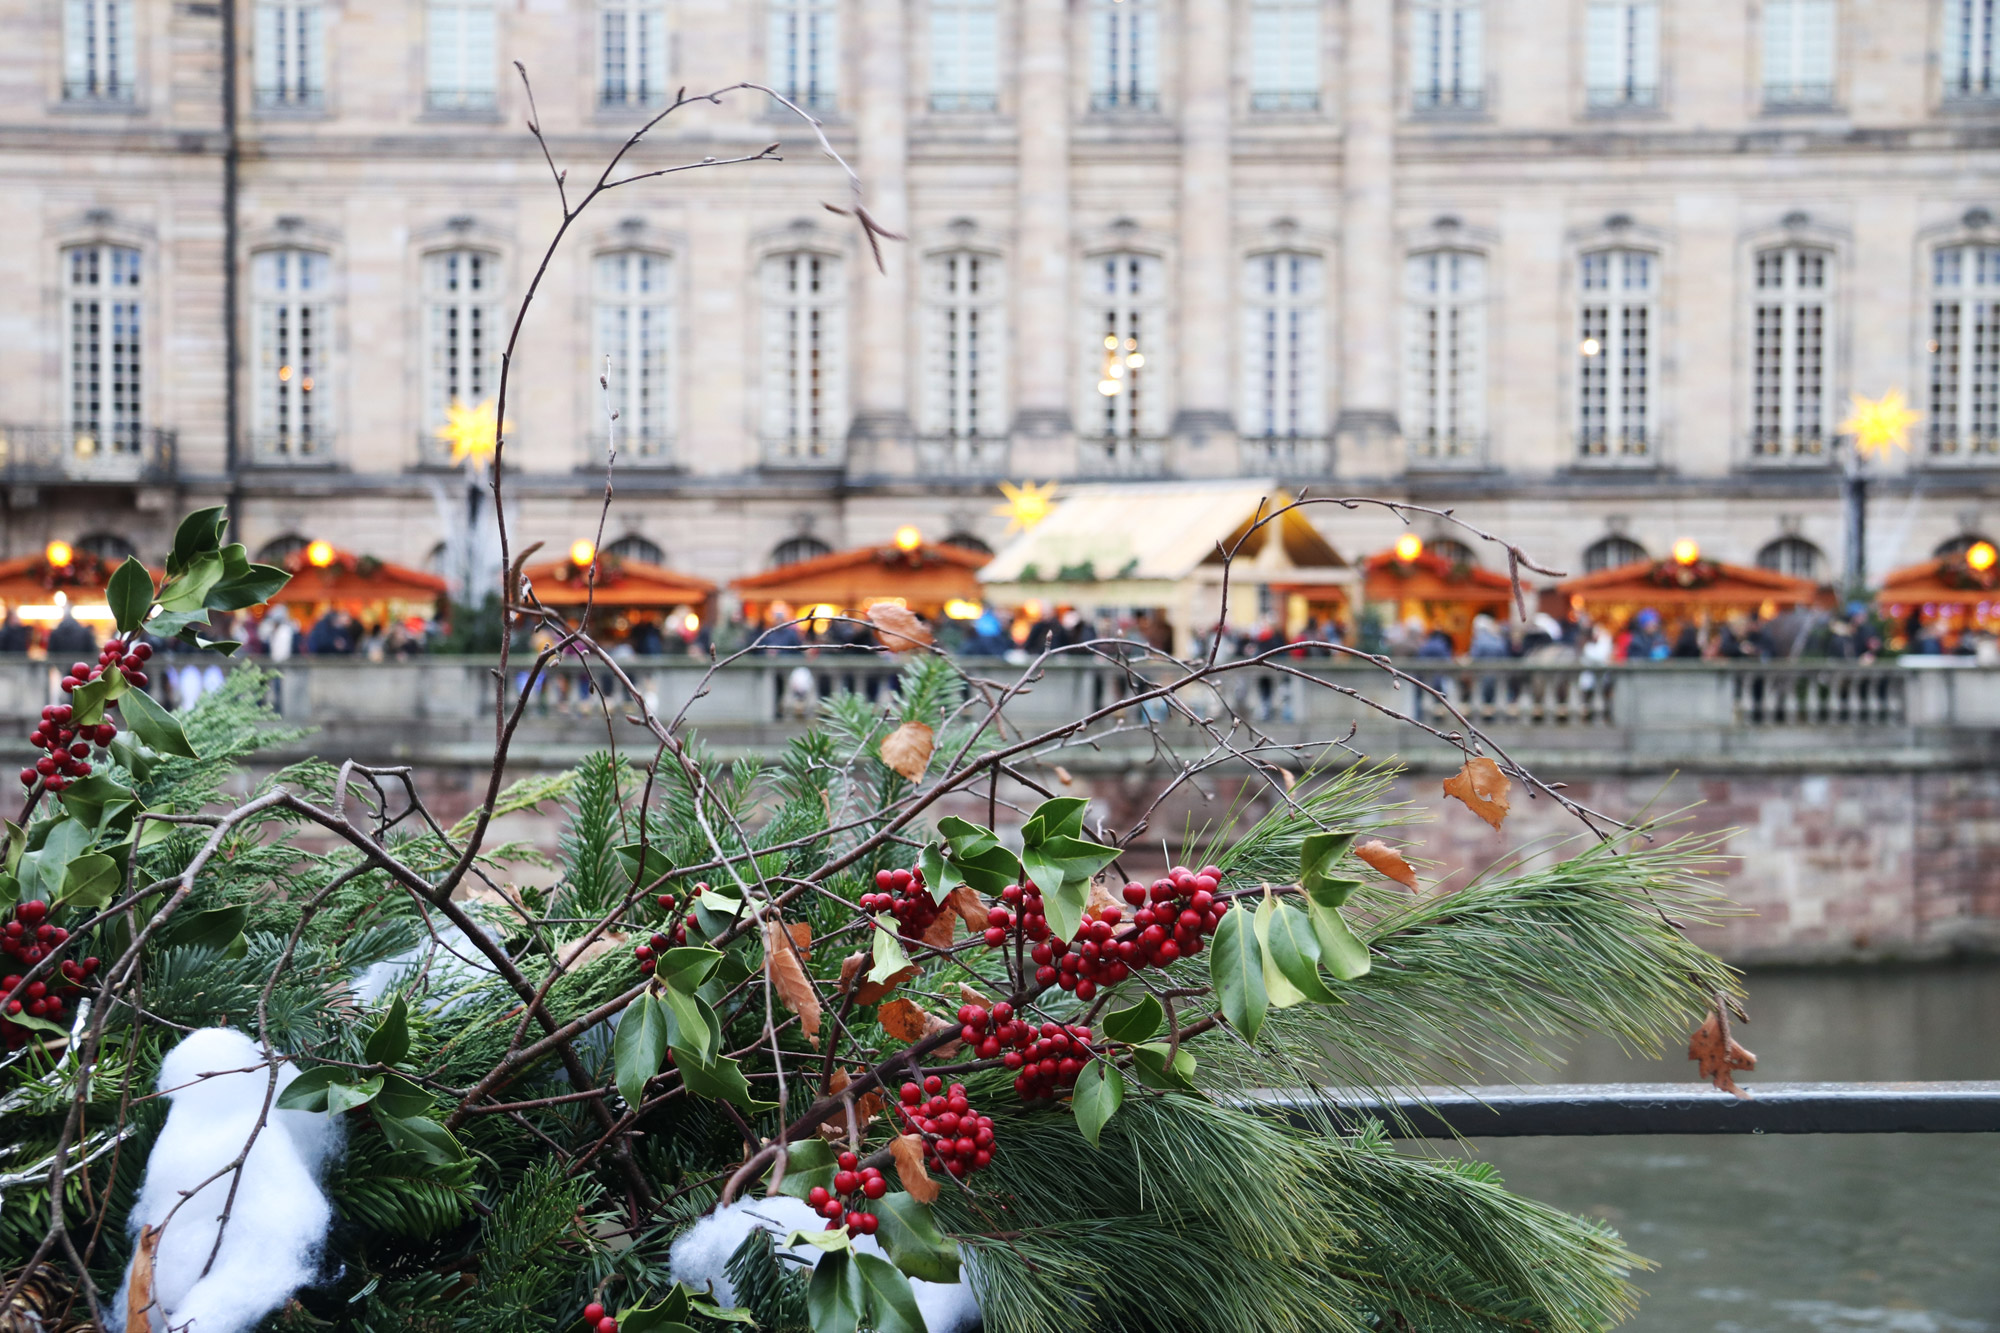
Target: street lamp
[1876, 426]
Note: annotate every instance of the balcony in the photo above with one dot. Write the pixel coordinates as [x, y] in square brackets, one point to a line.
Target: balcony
[128, 455]
[472, 102]
[275, 449]
[111, 93]
[1443, 101]
[1285, 456]
[1604, 450]
[1774, 450]
[802, 453]
[963, 457]
[1948, 449]
[1623, 97]
[1798, 97]
[959, 101]
[1121, 457]
[1124, 99]
[1293, 99]
[297, 99]
[1446, 453]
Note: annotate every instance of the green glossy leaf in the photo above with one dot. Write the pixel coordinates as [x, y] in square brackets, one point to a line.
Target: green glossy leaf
[52, 844]
[188, 590]
[964, 839]
[1100, 1091]
[936, 879]
[1059, 817]
[889, 956]
[1341, 951]
[685, 968]
[88, 700]
[402, 1098]
[833, 1296]
[1320, 857]
[645, 864]
[1282, 992]
[639, 1048]
[155, 726]
[17, 842]
[1063, 905]
[10, 892]
[28, 1020]
[390, 1041]
[130, 594]
[198, 534]
[136, 759]
[90, 880]
[914, 1244]
[1291, 953]
[1151, 1067]
[86, 798]
[728, 1314]
[832, 1241]
[888, 1303]
[252, 586]
[721, 1081]
[667, 1314]
[344, 1097]
[1137, 1023]
[427, 1138]
[308, 1091]
[214, 929]
[808, 1162]
[1236, 968]
[990, 872]
[688, 1027]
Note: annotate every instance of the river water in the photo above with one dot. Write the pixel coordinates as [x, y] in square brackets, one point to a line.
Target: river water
[1803, 1233]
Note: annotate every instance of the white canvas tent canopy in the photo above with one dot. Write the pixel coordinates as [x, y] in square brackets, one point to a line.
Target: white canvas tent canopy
[1158, 545]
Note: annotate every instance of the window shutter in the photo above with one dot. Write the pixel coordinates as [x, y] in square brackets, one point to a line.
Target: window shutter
[1302, 47]
[980, 72]
[313, 19]
[948, 49]
[1254, 353]
[778, 349]
[1427, 72]
[122, 59]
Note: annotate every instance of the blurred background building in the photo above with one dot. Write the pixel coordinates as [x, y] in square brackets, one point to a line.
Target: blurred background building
[1601, 273]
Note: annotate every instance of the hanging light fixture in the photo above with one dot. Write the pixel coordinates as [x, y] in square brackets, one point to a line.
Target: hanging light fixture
[908, 538]
[1408, 547]
[319, 554]
[59, 554]
[1686, 551]
[582, 552]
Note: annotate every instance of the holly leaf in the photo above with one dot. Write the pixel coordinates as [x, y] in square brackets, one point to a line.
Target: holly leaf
[1719, 1054]
[909, 1234]
[1341, 951]
[1137, 1023]
[188, 590]
[1236, 968]
[159, 730]
[907, 750]
[426, 1138]
[1482, 788]
[834, 1297]
[687, 967]
[1389, 862]
[129, 592]
[639, 1048]
[1062, 866]
[721, 1081]
[808, 1162]
[692, 1027]
[390, 1041]
[835, 1241]
[42, 868]
[888, 1302]
[198, 534]
[1319, 860]
[1057, 817]
[990, 872]
[1152, 1067]
[965, 839]
[253, 585]
[889, 956]
[402, 1098]
[217, 928]
[308, 1092]
[1100, 1091]
[933, 866]
[89, 881]
[1291, 954]
[87, 701]
[344, 1097]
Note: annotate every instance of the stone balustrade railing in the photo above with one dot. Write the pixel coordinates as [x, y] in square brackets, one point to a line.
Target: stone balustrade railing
[1639, 717]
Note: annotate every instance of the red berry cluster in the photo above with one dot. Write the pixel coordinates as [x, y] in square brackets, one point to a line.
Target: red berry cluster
[28, 939]
[675, 936]
[1175, 916]
[842, 1205]
[957, 1139]
[597, 1320]
[986, 1032]
[902, 894]
[1052, 1062]
[68, 747]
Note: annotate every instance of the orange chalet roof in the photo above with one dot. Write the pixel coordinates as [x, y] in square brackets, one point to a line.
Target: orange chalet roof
[928, 576]
[1948, 580]
[620, 583]
[351, 579]
[31, 578]
[1703, 583]
[1431, 578]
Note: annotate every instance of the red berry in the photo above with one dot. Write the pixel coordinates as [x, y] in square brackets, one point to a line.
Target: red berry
[875, 1186]
[593, 1312]
[911, 1094]
[932, 1084]
[607, 1325]
[817, 1196]
[846, 1182]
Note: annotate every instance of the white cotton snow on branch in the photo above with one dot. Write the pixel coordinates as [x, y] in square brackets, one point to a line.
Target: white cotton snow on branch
[701, 1256]
[270, 1246]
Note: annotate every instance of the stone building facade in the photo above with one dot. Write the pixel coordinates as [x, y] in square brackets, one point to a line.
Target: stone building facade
[1602, 274]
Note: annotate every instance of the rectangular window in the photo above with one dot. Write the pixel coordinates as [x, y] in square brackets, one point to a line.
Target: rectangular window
[965, 58]
[635, 342]
[1798, 53]
[1124, 56]
[1284, 350]
[804, 369]
[1614, 356]
[462, 57]
[1446, 54]
[964, 371]
[1971, 55]
[100, 52]
[1125, 356]
[1284, 55]
[290, 332]
[805, 51]
[289, 54]
[632, 51]
[1622, 55]
[106, 323]
[1963, 384]
[461, 334]
[1788, 355]
[1444, 356]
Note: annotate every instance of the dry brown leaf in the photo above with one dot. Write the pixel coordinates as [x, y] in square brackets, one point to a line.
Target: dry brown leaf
[1064, 776]
[1482, 788]
[139, 1297]
[934, 1025]
[902, 1019]
[872, 991]
[938, 934]
[908, 1150]
[964, 900]
[802, 936]
[1101, 897]
[866, 1107]
[1388, 861]
[788, 976]
[609, 942]
[971, 996]
[907, 749]
[1720, 1054]
[899, 629]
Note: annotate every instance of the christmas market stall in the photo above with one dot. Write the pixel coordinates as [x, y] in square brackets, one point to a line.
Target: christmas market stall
[374, 592]
[40, 589]
[1430, 588]
[1155, 549]
[1950, 595]
[1685, 588]
[933, 579]
[631, 600]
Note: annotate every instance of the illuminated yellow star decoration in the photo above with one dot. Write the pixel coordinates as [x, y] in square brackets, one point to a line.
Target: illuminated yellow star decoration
[1027, 504]
[1881, 424]
[470, 431]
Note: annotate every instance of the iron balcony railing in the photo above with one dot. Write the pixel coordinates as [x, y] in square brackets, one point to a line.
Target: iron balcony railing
[963, 457]
[1603, 448]
[805, 451]
[1434, 451]
[51, 454]
[1285, 455]
[1121, 456]
[1950, 448]
[1775, 449]
[290, 449]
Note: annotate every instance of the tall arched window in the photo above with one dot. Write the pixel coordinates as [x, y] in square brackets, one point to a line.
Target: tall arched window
[1959, 545]
[1284, 347]
[1125, 302]
[964, 356]
[805, 364]
[461, 334]
[635, 351]
[634, 547]
[1794, 556]
[289, 335]
[1789, 353]
[1615, 362]
[106, 546]
[1611, 553]
[1444, 354]
[103, 354]
[1963, 385]
[795, 549]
